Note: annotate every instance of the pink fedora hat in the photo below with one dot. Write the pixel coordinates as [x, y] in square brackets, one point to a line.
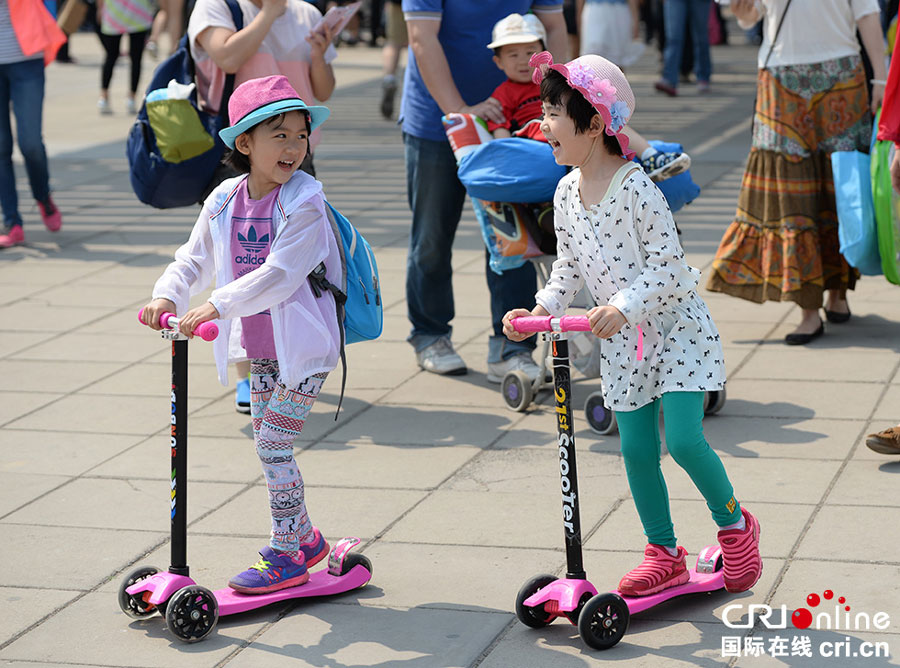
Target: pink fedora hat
[258, 99]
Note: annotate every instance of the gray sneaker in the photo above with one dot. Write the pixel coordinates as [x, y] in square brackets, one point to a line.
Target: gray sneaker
[440, 358]
[523, 361]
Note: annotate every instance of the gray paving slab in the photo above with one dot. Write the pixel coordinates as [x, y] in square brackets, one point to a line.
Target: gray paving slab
[856, 533]
[85, 502]
[83, 558]
[864, 590]
[25, 451]
[346, 635]
[22, 607]
[376, 465]
[455, 497]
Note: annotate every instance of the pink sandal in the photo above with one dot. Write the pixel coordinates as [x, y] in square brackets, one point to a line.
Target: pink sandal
[659, 570]
[740, 554]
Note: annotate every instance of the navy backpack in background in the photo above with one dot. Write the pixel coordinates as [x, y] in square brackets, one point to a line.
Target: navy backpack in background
[158, 178]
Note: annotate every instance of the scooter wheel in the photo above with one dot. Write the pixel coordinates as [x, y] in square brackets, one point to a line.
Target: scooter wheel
[517, 390]
[600, 418]
[715, 399]
[603, 620]
[536, 617]
[192, 613]
[573, 615]
[134, 605]
[355, 559]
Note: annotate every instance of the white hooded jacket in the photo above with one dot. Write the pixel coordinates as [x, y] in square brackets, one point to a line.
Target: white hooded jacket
[305, 328]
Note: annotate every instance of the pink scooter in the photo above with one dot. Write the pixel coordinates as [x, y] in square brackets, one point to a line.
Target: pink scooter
[191, 611]
[602, 619]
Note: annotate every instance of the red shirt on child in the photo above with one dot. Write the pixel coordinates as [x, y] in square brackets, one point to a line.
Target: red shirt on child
[521, 103]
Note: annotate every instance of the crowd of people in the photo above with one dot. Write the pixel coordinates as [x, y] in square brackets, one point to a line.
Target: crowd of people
[514, 64]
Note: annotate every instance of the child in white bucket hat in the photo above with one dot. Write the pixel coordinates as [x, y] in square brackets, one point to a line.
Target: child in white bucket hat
[616, 236]
[515, 39]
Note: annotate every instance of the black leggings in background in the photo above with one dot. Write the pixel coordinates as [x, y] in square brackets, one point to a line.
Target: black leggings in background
[111, 43]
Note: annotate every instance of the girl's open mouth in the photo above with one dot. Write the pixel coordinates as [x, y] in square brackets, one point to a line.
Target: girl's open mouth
[286, 164]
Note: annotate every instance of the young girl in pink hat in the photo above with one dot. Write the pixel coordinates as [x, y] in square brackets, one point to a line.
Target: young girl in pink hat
[616, 236]
[259, 236]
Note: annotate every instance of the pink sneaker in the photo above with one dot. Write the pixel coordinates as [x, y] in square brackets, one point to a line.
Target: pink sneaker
[14, 237]
[659, 570]
[50, 215]
[316, 549]
[740, 554]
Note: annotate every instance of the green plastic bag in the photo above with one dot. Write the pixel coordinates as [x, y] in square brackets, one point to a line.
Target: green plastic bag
[179, 133]
[887, 210]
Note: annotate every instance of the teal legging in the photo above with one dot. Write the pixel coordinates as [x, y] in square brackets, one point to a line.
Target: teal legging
[639, 430]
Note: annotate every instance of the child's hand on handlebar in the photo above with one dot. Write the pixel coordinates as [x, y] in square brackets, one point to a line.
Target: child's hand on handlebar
[511, 333]
[153, 310]
[193, 318]
[606, 321]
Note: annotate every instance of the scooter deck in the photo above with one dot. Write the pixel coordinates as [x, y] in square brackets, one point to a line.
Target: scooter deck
[699, 582]
[320, 583]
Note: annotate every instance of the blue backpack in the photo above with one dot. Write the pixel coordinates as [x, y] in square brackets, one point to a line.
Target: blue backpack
[156, 181]
[357, 299]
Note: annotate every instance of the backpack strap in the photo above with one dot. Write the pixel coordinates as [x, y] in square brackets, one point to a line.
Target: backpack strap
[320, 285]
[238, 17]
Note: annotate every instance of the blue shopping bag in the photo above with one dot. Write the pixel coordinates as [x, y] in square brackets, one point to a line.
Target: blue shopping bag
[857, 232]
[511, 170]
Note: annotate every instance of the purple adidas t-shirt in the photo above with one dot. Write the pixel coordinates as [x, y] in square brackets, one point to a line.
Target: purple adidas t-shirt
[251, 238]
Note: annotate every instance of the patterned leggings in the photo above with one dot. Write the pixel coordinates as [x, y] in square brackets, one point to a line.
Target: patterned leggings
[278, 414]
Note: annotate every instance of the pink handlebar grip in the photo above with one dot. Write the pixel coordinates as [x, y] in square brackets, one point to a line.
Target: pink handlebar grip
[566, 323]
[208, 331]
[537, 323]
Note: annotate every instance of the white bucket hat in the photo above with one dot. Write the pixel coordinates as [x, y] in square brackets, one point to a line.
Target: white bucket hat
[518, 29]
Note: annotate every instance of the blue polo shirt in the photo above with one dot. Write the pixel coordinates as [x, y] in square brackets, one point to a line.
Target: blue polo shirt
[465, 32]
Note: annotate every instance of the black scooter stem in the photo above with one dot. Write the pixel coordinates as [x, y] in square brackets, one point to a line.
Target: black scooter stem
[568, 471]
[178, 444]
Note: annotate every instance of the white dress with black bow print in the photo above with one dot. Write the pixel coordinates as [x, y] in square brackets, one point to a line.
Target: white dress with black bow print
[626, 250]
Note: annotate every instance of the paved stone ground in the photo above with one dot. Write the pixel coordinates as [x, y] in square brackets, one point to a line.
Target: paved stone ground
[455, 497]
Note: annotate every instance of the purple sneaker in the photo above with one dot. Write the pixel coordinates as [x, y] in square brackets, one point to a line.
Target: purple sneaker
[273, 572]
[315, 550]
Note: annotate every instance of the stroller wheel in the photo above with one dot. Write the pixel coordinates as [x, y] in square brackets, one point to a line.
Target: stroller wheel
[600, 418]
[517, 390]
[714, 401]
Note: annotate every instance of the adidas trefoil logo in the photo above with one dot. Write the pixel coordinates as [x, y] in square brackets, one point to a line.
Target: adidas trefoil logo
[251, 243]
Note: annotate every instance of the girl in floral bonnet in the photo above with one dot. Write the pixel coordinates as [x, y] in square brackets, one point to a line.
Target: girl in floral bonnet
[616, 236]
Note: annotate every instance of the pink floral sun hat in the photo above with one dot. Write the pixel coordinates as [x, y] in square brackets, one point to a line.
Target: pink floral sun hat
[601, 83]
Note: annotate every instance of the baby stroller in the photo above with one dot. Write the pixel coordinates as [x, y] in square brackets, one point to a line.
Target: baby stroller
[511, 184]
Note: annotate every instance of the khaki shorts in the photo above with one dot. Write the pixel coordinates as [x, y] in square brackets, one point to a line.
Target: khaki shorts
[395, 25]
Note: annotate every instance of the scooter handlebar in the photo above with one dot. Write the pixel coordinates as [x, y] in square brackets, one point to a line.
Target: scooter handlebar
[547, 323]
[207, 331]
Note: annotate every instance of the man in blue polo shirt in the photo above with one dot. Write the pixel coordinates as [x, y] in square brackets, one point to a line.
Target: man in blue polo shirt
[450, 70]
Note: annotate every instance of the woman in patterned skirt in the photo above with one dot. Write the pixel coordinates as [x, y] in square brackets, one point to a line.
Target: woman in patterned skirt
[812, 100]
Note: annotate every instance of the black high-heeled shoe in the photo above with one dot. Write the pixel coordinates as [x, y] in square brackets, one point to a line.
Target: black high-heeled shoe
[795, 339]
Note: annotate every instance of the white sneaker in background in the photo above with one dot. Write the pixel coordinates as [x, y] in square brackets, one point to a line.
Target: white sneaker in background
[523, 361]
[441, 358]
[103, 106]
